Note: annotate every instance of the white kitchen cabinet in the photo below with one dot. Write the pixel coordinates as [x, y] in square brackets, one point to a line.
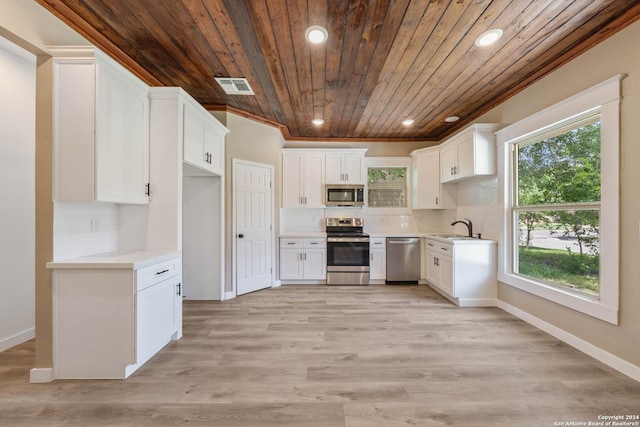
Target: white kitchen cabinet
[100, 129]
[378, 258]
[471, 152]
[303, 178]
[346, 166]
[203, 139]
[112, 314]
[462, 270]
[303, 259]
[428, 192]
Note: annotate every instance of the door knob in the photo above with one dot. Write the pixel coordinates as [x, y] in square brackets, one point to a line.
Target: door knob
[240, 236]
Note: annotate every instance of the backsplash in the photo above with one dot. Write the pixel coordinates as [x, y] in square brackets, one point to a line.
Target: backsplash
[82, 229]
[476, 199]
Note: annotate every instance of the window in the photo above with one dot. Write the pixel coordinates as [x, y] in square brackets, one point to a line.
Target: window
[556, 207]
[558, 178]
[387, 187]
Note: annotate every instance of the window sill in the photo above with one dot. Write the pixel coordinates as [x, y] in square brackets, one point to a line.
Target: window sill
[579, 303]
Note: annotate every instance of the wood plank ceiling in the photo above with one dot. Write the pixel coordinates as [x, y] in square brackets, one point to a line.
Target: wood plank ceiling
[384, 61]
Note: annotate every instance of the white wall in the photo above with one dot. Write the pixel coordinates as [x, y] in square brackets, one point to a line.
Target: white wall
[17, 192]
[620, 344]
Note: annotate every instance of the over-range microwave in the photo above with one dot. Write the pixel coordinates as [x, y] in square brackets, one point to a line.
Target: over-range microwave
[344, 195]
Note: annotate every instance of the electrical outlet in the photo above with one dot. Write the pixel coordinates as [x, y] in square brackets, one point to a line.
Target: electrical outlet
[95, 225]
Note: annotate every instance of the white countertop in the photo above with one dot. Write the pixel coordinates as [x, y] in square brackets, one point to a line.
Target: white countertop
[132, 260]
[316, 234]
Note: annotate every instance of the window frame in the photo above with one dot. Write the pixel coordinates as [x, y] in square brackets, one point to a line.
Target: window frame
[390, 162]
[605, 98]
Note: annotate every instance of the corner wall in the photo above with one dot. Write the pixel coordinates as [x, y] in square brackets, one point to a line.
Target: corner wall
[613, 56]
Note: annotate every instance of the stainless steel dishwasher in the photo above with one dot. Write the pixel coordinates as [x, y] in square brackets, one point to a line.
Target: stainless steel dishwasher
[403, 260]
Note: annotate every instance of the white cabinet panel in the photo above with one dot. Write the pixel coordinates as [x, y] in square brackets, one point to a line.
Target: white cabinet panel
[303, 259]
[203, 139]
[303, 173]
[471, 152]
[378, 258]
[428, 192]
[345, 167]
[108, 321]
[464, 271]
[101, 129]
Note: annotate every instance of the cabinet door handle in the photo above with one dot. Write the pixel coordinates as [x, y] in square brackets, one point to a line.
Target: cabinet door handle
[347, 177]
[430, 244]
[291, 243]
[161, 272]
[179, 289]
[444, 249]
[147, 189]
[305, 200]
[436, 200]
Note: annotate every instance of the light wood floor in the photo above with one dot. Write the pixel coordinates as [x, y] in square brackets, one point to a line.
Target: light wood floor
[334, 356]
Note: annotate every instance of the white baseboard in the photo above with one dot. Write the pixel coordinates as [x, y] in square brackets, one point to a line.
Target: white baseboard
[229, 295]
[41, 375]
[477, 302]
[277, 284]
[603, 356]
[16, 339]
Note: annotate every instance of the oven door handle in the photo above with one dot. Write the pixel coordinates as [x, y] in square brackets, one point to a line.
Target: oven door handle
[347, 239]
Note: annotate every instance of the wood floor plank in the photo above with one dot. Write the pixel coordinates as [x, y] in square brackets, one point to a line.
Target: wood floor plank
[334, 356]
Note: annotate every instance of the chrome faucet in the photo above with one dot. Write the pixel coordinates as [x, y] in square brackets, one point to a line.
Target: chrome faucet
[468, 223]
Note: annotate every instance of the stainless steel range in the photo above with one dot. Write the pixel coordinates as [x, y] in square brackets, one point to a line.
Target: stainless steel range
[347, 252]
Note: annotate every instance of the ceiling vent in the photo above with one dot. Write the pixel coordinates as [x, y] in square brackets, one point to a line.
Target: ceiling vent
[233, 86]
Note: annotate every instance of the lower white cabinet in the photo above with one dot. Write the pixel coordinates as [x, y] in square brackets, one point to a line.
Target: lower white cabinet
[303, 259]
[378, 258]
[111, 318]
[462, 270]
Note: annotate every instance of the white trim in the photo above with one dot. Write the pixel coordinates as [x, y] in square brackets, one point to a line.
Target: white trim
[477, 302]
[16, 339]
[228, 295]
[234, 272]
[277, 284]
[597, 353]
[41, 375]
[605, 97]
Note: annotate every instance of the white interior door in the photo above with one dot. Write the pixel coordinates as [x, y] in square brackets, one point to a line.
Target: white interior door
[253, 237]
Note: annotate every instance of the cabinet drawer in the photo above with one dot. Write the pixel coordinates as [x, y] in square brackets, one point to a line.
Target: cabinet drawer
[156, 273]
[439, 247]
[315, 243]
[291, 243]
[378, 242]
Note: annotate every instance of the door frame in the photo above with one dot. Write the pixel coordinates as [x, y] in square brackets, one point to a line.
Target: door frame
[234, 224]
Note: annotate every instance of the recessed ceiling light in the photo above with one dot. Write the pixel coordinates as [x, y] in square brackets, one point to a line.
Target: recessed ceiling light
[316, 34]
[489, 37]
[317, 122]
[408, 122]
[452, 119]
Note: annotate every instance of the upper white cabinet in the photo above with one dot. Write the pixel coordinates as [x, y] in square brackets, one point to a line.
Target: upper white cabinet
[471, 152]
[346, 166]
[203, 139]
[428, 192]
[303, 178]
[100, 129]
